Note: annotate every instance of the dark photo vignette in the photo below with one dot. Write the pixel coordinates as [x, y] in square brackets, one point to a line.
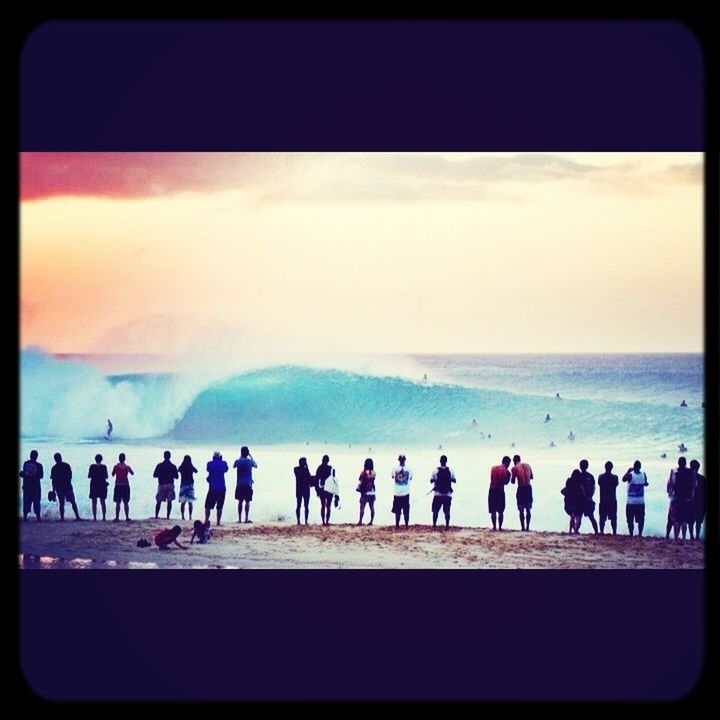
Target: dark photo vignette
[279, 664]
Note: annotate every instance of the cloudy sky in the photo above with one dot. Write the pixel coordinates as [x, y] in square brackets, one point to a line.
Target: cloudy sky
[582, 252]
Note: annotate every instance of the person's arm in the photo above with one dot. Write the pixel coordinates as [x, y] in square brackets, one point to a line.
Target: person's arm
[180, 545]
[130, 470]
[252, 460]
[194, 469]
[645, 476]
[513, 475]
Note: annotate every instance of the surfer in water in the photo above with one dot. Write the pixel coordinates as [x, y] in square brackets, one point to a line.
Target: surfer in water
[109, 429]
[683, 404]
[571, 436]
[548, 418]
[682, 448]
[557, 396]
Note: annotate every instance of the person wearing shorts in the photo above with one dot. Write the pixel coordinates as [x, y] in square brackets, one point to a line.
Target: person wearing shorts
[402, 475]
[121, 492]
[698, 497]
[637, 481]
[61, 478]
[166, 473]
[98, 475]
[187, 486]
[683, 498]
[441, 480]
[366, 488]
[499, 478]
[607, 482]
[31, 474]
[244, 489]
[215, 498]
[522, 472]
[322, 474]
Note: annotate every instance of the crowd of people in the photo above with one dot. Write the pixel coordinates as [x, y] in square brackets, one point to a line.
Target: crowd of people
[685, 490]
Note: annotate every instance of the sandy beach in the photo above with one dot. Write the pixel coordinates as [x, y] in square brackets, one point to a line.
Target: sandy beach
[108, 545]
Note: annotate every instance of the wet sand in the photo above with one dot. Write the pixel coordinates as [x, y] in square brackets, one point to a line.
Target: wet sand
[106, 545]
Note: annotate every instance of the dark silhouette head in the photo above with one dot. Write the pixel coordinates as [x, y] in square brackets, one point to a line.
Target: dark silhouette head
[584, 465]
[576, 475]
[58, 457]
[217, 455]
[443, 460]
[506, 461]
[608, 466]
[121, 457]
[166, 454]
[302, 462]
[33, 454]
[244, 451]
[682, 462]
[401, 459]
[695, 465]
[176, 530]
[516, 458]
[198, 526]
[98, 458]
[637, 465]
[325, 459]
[368, 464]
[187, 459]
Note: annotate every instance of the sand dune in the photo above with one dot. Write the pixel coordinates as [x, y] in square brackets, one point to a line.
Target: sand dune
[105, 545]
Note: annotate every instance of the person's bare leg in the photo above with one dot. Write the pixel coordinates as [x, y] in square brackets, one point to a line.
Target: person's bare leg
[298, 503]
[117, 511]
[94, 509]
[61, 508]
[190, 511]
[157, 509]
[182, 510]
[169, 508]
[372, 512]
[126, 504]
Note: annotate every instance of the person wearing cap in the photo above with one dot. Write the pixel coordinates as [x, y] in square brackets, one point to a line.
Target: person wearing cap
[402, 475]
[215, 498]
[244, 489]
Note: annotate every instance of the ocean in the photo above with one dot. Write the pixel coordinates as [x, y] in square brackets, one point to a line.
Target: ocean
[473, 408]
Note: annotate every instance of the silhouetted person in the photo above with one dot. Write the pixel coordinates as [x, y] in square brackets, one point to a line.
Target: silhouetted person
[215, 498]
[522, 472]
[683, 404]
[557, 396]
[109, 429]
[608, 500]
[244, 489]
[324, 471]
[303, 482]
[441, 480]
[635, 508]
[167, 537]
[366, 488]
[98, 474]
[672, 505]
[682, 448]
[121, 492]
[61, 477]
[548, 418]
[575, 499]
[698, 497]
[589, 487]
[401, 475]
[571, 436]
[166, 473]
[499, 478]
[201, 531]
[31, 474]
[186, 495]
[684, 507]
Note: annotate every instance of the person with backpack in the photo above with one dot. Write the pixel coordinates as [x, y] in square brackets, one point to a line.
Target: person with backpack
[637, 481]
[522, 472]
[31, 474]
[441, 480]
[366, 488]
[402, 475]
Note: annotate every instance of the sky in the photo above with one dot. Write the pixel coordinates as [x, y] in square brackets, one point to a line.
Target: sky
[222, 253]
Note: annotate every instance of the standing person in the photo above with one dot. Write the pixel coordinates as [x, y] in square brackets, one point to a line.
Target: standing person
[244, 489]
[672, 505]
[109, 429]
[98, 474]
[402, 475]
[186, 470]
[608, 501]
[61, 477]
[215, 498]
[324, 472]
[637, 481]
[166, 473]
[684, 507]
[366, 488]
[31, 474]
[303, 482]
[522, 472]
[441, 480]
[121, 492]
[698, 497]
[575, 499]
[588, 482]
[499, 478]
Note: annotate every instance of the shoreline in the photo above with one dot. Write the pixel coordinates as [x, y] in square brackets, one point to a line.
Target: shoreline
[285, 546]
